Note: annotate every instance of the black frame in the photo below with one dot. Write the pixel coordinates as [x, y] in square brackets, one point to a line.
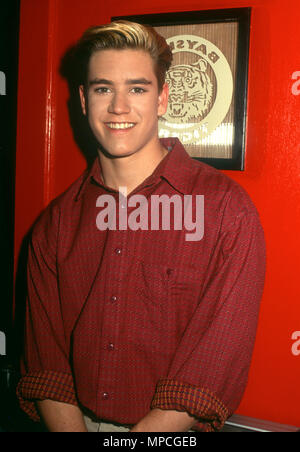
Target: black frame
[242, 16]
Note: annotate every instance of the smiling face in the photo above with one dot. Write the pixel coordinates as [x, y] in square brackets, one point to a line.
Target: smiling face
[122, 101]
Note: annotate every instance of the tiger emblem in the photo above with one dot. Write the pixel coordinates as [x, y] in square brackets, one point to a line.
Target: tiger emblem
[191, 93]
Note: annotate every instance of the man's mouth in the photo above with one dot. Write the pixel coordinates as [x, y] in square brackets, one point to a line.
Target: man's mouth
[120, 125]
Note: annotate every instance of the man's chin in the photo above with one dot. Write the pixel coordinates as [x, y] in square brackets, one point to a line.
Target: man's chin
[115, 154]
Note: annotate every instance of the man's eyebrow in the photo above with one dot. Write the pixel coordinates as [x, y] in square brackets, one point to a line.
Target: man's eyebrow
[138, 81]
[100, 81]
[135, 81]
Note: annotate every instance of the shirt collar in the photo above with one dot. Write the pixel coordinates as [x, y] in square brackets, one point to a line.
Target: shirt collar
[178, 169]
[175, 168]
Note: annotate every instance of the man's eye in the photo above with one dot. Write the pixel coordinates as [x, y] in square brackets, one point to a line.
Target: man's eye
[102, 90]
[138, 90]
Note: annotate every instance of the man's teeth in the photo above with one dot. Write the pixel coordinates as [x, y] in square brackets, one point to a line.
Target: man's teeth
[120, 125]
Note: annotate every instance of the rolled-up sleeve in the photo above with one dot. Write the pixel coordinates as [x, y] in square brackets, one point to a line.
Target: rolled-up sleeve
[46, 372]
[209, 372]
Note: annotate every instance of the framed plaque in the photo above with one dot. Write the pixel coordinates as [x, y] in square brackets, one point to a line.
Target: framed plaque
[207, 82]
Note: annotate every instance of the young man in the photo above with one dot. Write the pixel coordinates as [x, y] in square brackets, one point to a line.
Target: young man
[144, 327]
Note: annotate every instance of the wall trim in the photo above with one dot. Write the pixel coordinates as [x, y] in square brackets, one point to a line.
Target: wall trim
[50, 101]
[251, 424]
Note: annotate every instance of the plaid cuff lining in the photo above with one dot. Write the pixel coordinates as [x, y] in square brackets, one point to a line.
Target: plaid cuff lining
[199, 402]
[43, 385]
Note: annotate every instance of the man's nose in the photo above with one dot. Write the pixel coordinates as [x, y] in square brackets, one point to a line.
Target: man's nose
[119, 104]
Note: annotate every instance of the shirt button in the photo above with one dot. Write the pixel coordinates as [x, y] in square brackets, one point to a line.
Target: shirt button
[113, 298]
[111, 347]
[118, 251]
[105, 396]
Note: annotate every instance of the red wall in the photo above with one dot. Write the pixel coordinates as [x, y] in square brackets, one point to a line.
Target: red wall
[48, 159]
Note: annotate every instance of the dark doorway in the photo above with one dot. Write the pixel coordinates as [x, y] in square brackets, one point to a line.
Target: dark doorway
[9, 32]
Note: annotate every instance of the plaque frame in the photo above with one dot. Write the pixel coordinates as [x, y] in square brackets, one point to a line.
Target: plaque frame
[242, 16]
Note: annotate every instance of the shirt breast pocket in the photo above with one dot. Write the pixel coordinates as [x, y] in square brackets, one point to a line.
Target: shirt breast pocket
[169, 296]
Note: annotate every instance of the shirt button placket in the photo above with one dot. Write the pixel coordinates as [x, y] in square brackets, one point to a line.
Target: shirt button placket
[113, 299]
[109, 347]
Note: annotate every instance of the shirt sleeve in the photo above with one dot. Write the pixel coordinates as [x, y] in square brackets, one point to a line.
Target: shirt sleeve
[45, 368]
[209, 371]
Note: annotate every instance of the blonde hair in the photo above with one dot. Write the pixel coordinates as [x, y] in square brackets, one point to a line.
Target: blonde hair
[121, 35]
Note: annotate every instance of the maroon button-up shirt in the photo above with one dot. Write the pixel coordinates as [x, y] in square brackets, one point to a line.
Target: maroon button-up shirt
[122, 321]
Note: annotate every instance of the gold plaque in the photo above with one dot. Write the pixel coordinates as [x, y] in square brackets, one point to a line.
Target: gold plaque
[201, 80]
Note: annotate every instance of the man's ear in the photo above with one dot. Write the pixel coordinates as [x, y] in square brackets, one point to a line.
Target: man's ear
[82, 99]
[163, 100]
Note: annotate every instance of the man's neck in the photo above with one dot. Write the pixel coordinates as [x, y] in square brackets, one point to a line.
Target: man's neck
[132, 170]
